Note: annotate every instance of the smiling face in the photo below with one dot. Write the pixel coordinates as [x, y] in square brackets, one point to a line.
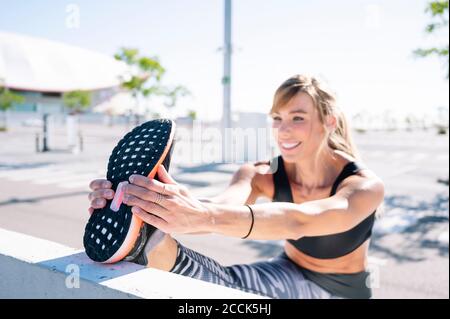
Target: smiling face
[297, 128]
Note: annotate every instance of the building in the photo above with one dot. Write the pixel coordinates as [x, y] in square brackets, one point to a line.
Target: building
[42, 70]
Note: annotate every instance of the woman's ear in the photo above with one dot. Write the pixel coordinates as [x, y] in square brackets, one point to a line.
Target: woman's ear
[331, 122]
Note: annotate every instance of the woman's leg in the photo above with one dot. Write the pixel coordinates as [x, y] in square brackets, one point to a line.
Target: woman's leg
[278, 277]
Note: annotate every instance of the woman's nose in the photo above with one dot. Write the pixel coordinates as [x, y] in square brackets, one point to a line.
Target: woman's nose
[284, 128]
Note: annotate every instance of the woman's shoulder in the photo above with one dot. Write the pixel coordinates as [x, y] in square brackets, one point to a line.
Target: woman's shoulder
[255, 168]
[362, 170]
[259, 171]
[263, 179]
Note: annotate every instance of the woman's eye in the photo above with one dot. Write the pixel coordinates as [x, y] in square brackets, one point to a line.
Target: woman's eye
[298, 118]
[276, 118]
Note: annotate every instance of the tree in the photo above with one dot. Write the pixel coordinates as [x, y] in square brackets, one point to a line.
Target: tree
[7, 100]
[77, 101]
[439, 14]
[145, 79]
[173, 94]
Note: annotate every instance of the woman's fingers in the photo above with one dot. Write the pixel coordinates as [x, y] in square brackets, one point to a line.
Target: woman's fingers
[151, 219]
[98, 203]
[138, 191]
[101, 190]
[100, 183]
[153, 185]
[164, 176]
[133, 192]
[101, 193]
[148, 206]
[166, 185]
[144, 193]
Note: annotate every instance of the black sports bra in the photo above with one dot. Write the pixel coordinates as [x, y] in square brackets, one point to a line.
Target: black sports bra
[329, 246]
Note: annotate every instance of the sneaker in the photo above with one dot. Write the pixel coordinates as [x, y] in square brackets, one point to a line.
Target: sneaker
[114, 233]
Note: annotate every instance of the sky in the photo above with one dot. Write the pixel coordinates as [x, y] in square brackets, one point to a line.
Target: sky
[362, 49]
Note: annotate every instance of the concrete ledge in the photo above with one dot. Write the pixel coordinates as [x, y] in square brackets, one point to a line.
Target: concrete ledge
[35, 268]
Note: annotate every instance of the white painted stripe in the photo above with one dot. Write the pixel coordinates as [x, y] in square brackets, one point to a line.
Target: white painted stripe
[398, 155]
[401, 171]
[443, 237]
[376, 154]
[20, 176]
[419, 156]
[79, 183]
[23, 172]
[70, 177]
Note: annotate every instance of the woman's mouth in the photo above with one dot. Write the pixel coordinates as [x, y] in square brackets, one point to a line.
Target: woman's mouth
[289, 146]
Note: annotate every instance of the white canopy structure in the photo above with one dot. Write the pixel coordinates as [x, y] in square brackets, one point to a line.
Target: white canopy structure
[120, 104]
[36, 64]
[123, 103]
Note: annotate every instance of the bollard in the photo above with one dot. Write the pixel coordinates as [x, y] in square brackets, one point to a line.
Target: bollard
[80, 137]
[45, 147]
[37, 143]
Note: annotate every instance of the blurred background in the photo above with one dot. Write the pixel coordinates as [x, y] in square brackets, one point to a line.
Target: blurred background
[75, 76]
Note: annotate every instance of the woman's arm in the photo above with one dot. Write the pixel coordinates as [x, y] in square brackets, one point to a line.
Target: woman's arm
[356, 199]
[241, 190]
[179, 212]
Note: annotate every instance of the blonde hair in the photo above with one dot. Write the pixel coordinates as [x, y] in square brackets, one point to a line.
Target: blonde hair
[325, 102]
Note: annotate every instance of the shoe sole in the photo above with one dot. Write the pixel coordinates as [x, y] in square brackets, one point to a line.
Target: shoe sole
[110, 236]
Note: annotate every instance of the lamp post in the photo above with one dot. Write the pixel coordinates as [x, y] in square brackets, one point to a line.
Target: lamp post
[226, 80]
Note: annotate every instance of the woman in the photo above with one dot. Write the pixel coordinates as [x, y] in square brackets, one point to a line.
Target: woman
[323, 204]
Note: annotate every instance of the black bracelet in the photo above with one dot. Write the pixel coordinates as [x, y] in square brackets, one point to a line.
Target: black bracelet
[253, 221]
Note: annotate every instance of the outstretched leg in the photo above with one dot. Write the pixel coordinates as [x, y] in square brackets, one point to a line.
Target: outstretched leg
[278, 277]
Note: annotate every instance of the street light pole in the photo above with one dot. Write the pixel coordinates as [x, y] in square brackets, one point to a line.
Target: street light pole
[226, 80]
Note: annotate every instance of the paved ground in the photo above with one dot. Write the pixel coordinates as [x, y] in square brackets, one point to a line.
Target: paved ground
[45, 195]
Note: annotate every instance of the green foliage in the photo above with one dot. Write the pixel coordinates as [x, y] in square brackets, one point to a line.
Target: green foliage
[173, 94]
[147, 70]
[8, 98]
[146, 78]
[152, 66]
[439, 13]
[77, 101]
[192, 114]
[127, 55]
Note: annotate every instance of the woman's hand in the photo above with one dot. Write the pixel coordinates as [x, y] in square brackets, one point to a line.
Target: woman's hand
[101, 191]
[165, 204]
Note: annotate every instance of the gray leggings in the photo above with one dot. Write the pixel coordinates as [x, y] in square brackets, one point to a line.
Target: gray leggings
[278, 277]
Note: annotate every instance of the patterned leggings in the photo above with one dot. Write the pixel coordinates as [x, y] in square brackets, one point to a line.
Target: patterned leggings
[278, 277]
